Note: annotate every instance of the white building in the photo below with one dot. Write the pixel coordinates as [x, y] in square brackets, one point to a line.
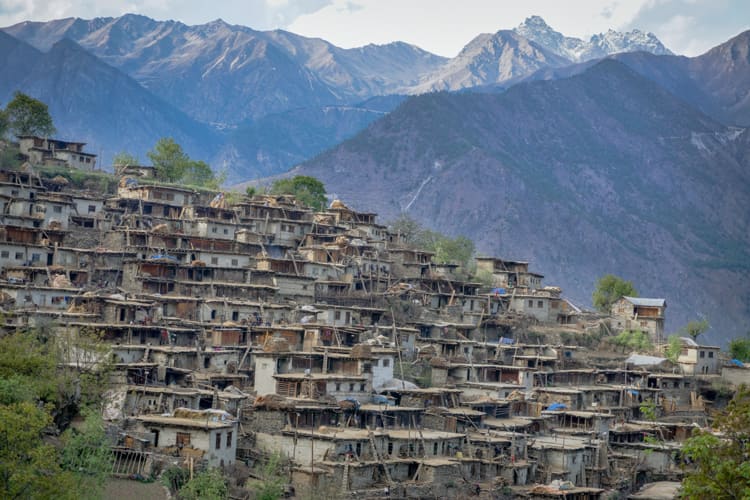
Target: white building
[212, 431]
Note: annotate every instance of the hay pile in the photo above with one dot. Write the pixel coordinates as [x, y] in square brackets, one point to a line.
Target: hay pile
[438, 362]
[60, 281]
[362, 351]
[276, 344]
[272, 402]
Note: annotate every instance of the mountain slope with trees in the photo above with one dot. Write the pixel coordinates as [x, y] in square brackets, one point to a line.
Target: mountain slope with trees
[601, 172]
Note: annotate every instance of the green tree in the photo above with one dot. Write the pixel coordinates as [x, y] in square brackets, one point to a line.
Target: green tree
[409, 229]
[169, 160]
[198, 173]
[28, 467]
[206, 485]
[123, 159]
[609, 289]
[4, 123]
[740, 349]
[649, 410]
[718, 465]
[695, 328]
[272, 485]
[172, 164]
[250, 191]
[29, 116]
[674, 347]
[308, 190]
[633, 340]
[86, 452]
[459, 250]
[175, 478]
[36, 384]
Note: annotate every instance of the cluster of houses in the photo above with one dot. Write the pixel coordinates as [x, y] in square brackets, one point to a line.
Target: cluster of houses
[240, 328]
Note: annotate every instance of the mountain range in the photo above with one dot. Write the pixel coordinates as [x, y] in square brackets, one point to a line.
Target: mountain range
[234, 79]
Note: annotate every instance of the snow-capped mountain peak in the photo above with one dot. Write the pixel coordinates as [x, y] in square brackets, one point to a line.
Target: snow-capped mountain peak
[537, 30]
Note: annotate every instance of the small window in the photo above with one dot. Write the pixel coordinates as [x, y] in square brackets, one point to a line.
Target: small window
[362, 387]
[710, 354]
[229, 439]
[4, 254]
[351, 387]
[531, 303]
[213, 313]
[337, 315]
[218, 440]
[214, 260]
[226, 231]
[703, 354]
[213, 229]
[183, 439]
[338, 386]
[539, 304]
[57, 209]
[19, 255]
[235, 262]
[92, 209]
[387, 362]
[14, 192]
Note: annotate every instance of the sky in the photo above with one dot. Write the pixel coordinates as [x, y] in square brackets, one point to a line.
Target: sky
[688, 27]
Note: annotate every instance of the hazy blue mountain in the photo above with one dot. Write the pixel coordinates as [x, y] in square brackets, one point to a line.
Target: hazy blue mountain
[602, 172]
[275, 143]
[223, 74]
[92, 102]
[717, 82]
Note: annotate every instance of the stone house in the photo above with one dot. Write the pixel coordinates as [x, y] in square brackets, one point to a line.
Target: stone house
[640, 313]
[45, 151]
[696, 359]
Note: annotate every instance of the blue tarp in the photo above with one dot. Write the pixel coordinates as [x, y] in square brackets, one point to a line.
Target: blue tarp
[738, 363]
[161, 256]
[382, 400]
[503, 340]
[498, 291]
[556, 406]
[633, 392]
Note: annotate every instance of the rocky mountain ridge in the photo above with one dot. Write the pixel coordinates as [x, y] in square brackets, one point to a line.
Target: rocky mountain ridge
[600, 45]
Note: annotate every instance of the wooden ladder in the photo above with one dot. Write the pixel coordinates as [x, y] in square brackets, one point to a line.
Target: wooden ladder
[375, 451]
[345, 479]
